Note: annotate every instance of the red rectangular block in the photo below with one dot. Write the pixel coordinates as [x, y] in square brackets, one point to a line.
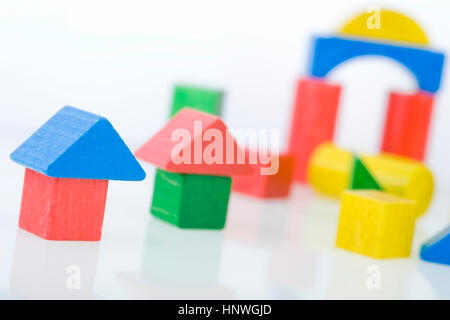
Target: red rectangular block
[313, 120]
[407, 124]
[266, 186]
[62, 208]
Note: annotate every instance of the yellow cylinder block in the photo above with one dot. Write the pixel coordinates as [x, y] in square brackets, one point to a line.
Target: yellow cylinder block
[330, 169]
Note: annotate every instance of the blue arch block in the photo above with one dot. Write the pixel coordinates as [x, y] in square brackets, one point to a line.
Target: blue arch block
[426, 65]
[78, 144]
[437, 249]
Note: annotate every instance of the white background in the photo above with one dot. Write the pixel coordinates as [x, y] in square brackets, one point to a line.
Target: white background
[121, 58]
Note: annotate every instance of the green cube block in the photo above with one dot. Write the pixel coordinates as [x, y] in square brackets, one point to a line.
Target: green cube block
[190, 200]
[202, 99]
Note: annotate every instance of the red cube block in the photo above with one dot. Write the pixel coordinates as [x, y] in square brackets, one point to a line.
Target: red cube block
[62, 208]
[266, 186]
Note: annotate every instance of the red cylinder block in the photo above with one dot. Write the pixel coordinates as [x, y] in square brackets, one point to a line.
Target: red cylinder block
[407, 124]
[313, 121]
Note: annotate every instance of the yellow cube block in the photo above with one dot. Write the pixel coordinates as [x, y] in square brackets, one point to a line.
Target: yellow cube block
[376, 224]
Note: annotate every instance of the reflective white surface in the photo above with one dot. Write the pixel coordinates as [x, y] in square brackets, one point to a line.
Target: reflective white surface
[122, 63]
[280, 249]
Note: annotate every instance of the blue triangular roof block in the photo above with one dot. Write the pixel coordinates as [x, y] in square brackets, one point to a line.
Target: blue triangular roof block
[78, 144]
[437, 249]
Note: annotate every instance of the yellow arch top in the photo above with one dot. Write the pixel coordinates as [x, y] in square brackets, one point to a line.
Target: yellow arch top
[387, 25]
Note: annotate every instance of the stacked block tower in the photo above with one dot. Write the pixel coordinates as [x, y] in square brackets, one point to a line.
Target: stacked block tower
[69, 161]
[196, 157]
[408, 115]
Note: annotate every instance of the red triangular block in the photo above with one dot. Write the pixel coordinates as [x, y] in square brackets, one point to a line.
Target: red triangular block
[195, 142]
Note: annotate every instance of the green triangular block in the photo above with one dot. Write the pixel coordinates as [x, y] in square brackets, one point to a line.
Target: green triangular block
[361, 177]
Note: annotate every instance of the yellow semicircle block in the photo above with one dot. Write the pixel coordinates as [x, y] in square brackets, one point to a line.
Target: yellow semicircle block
[385, 25]
[330, 169]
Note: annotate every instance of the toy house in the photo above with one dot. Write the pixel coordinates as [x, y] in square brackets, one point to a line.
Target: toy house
[69, 161]
[192, 184]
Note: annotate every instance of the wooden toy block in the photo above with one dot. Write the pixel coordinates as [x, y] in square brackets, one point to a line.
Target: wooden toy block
[263, 186]
[329, 169]
[376, 224]
[62, 208]
[361, 177]
[407, 124]
[78, 144]
[394, 27]
[183, 146]
[313, 120]
[191, 201]
[404, 177]
[69, 160]
[329, 173]
[425, 64]
[202, 99]
[437, 249]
